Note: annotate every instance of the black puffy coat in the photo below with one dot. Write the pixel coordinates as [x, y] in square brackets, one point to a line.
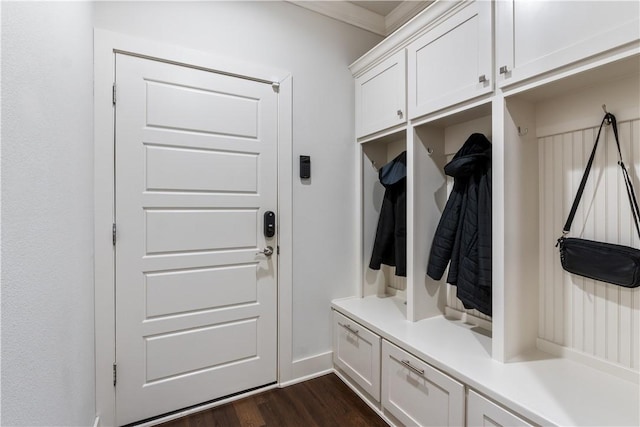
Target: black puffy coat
[390, 245]
[463, 235]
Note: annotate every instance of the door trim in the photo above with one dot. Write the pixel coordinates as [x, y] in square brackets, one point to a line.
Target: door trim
[106, 43]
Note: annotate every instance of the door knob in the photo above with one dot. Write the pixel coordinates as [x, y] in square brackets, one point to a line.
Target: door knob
[268, 251]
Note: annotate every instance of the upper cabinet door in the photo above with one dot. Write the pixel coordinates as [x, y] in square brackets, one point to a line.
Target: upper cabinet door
[451, 63]
[381, 96]
[533, 37]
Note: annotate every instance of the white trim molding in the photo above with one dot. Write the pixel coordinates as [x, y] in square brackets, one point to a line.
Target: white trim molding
[358, 16]
[106, 43]
[402, 14]
[348, 13]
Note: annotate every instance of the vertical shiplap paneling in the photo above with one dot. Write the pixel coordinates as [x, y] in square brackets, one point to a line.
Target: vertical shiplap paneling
[578, 292]
[596, 318]
[568, 168]
[600, 211]
[588, 229]
[624, 318]
[542, 230]
[550, 265]
[635, 300]
[559, 216]
[613, 208]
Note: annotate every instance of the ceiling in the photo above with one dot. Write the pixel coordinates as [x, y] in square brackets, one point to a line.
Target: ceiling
[380, 7]
[380, 17]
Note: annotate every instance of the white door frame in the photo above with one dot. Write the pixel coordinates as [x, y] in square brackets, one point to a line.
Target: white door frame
[106, 43]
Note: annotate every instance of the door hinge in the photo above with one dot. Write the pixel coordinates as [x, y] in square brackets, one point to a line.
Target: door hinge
[114, 94]
[115, 374]
[113, 234]
[276, 87]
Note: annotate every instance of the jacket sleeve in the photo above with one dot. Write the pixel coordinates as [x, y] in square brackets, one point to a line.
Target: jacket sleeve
[484, 231]
[445, 235]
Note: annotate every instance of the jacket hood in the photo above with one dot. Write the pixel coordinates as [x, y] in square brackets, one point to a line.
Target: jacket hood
[394, 171]
[474, 156]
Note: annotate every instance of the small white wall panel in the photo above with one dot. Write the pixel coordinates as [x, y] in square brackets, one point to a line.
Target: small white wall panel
[599, 319]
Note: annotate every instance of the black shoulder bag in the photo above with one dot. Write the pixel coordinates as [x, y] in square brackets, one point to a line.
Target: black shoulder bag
[616, 264]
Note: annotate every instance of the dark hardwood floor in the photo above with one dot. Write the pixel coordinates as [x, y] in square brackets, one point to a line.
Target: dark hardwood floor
[322, 402]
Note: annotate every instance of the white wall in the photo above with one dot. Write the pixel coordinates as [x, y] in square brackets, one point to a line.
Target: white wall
[317, 51]
[47, 176]
[47, 215]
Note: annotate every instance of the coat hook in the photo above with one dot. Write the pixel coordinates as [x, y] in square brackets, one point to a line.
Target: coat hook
[429, 150]
[522, 132]
[607, 119]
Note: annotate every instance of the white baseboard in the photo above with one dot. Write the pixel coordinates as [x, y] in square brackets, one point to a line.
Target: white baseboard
[96, 422]
[591, 361]
[310, 367]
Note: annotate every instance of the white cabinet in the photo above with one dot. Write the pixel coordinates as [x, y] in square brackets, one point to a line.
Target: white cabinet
[533, 37]
[485, 413]
[451, 63]
[356, 351]
[381, 96]
[418, 394]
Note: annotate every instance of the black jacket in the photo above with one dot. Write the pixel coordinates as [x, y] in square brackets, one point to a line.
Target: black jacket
[390, 246]
[463, 235]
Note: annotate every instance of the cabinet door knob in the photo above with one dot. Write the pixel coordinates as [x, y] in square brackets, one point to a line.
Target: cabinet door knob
[482, 79]
[399, 113]
[504, 69]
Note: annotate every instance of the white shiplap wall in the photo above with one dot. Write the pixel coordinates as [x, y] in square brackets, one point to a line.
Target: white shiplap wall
[595, 318]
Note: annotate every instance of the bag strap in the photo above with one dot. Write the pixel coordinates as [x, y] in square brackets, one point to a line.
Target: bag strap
[633, 202]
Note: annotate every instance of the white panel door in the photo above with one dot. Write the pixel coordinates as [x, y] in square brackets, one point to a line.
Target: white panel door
[195, 298]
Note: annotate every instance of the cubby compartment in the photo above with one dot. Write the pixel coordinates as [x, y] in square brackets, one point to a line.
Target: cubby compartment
[435, 141]
[546, 136]
[374, 155]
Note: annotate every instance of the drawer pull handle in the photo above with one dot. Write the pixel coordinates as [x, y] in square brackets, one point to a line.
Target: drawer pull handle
[399, 113]
[482, 79]
[349, 328]
[413, 368]
[504, 69]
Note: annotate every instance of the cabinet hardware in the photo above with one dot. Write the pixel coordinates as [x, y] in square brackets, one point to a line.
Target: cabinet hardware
[399, 113]
[504, 69]
[349, 328]
[413, 368]
[482, 79]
